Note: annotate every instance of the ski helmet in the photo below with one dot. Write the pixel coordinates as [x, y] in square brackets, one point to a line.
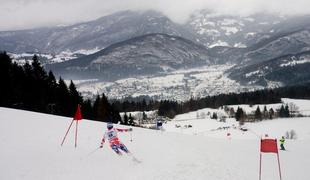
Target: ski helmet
[110, 125]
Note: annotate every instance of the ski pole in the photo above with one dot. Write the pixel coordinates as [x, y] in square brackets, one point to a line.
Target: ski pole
[92, 152]
[130, 136]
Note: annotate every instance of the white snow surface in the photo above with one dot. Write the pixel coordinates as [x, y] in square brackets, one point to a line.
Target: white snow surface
[295, 62]
[30, 149]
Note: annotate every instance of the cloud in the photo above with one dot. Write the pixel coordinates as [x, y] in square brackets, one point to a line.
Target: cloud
[21, 14]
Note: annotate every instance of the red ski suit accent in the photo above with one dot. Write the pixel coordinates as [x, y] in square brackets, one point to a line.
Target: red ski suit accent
[111, 134]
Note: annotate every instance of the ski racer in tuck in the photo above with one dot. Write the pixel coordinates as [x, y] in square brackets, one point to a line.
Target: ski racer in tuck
[115, 143]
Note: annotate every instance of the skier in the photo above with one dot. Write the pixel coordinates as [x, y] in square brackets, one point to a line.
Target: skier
[114, 141]
[282, 140]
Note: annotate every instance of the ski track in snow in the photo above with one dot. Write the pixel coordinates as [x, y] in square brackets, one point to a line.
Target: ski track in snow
[30, 149]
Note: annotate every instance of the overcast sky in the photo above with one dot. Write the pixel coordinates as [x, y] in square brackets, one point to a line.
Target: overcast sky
[23, 14]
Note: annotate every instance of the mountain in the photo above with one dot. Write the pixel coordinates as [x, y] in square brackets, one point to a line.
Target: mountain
[132, 45]
[96, 34]
[242, 31]
[203, 27]
[279, 45]
[144, 55]
[233, 31]
[286, 70]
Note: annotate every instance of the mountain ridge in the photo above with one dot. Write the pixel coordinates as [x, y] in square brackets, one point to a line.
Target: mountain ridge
[147, 54]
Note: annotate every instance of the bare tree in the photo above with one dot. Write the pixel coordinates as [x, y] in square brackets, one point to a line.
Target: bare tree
[294, 109]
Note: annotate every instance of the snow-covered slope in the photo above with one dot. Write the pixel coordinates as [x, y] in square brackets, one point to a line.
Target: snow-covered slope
[30, 149]
[234, 31]
[98, 33]
[285, 70]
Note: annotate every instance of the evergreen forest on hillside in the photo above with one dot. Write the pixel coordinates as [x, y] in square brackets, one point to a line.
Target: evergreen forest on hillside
[30, 87]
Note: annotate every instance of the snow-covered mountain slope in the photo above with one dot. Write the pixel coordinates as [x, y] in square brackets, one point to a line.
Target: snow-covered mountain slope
[233, 31]
[30, 149]
[99, 33]
[281, 43]
[203, 27]
[47, 58]
[286, 70]
[144, 55]
[277, 46]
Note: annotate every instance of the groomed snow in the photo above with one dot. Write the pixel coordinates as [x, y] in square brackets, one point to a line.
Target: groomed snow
[30, 149]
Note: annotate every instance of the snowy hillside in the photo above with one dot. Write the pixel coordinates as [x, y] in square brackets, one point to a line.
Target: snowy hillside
[233, 31]
[284, 70]
[144, 55]
[90, 35]
[46, 58]
[203, 125]
[30, 149]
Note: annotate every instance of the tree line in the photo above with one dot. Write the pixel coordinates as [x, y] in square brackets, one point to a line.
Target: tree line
[30, 87]
[266, 96]
[259, 115]
[171, 108]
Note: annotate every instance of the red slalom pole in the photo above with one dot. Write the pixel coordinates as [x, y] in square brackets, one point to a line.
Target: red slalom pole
[279, 166]
[76, 130]
[260, 166]
[67, 133]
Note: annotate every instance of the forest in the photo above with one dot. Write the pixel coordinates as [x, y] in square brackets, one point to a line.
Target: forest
[30, 87]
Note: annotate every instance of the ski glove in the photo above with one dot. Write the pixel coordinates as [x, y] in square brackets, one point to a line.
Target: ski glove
[130, 129]
[102, 142]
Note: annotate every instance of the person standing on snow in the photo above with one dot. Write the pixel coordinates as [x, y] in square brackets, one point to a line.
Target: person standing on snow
[115, 143]
[282, 140]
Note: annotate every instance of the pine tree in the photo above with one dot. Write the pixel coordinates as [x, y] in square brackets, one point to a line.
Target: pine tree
[286, 111]
[106, 113]
[214, 115]
[130, 120]
[18, 84]
[39, 84]
[265, 113]
[240, 116]
[63, 95]
[271, 113]
[5, 79]
[27, 87]
[116, 118]
[125, 119]
[75, 97]
[38, 71]
[282, 111]
[258, 114]
[232, 112]
[96, 107]
[51, 92]
[87, 110]
[144, 116]
[104, 109]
